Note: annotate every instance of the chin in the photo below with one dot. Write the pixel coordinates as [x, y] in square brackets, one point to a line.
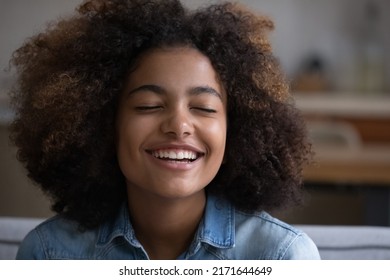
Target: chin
[180, 192]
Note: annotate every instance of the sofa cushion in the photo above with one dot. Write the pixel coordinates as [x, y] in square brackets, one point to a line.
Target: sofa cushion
[12, 232]
[350, 242]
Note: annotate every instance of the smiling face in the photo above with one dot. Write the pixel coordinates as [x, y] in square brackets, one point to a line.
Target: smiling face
[171, 124]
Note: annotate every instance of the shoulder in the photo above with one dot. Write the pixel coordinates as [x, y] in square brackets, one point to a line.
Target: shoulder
[265, 237]
[56, 238]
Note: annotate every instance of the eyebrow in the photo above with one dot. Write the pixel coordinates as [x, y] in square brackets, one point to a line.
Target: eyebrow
[193, 91]
[152, 88]
[205, 89]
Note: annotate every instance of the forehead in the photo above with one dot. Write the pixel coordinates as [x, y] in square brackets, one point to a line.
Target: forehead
[172, 55]
[174, 65]
[169, 59]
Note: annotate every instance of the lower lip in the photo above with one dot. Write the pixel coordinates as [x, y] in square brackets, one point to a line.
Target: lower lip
[174, 165]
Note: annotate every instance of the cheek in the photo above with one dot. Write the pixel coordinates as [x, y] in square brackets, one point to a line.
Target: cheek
[124, 152]
[128, 138]
[216, 137]
[132, 129]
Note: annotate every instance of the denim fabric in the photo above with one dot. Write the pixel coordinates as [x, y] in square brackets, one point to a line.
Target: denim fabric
[224, 234]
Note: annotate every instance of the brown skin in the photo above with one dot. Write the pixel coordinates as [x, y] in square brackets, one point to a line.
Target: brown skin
[176, 104]
[166, 228]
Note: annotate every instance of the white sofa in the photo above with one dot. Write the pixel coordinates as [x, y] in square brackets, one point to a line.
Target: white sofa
[350, 242]
[12, 232]
[333, 242]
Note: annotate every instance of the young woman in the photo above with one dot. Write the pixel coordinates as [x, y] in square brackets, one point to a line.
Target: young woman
[159, 133]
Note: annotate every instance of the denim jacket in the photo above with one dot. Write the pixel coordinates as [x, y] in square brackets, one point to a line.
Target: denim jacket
[223, 234]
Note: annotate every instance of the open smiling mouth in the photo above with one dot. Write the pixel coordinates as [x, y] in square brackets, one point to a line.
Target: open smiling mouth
[184, 156]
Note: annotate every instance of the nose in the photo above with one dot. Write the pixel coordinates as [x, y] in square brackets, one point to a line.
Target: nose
[178, 123]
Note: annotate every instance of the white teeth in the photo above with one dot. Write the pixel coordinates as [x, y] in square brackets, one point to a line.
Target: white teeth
[172, 155]
[180, 155]
[175, 154]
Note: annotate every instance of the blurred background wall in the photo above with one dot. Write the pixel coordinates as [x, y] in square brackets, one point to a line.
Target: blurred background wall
[336, 55]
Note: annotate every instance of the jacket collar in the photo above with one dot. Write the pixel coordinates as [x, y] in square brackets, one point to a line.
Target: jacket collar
[218, 223]
[119, 227]
[215, 229]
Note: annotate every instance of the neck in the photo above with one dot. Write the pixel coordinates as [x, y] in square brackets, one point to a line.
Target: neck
[165, 226]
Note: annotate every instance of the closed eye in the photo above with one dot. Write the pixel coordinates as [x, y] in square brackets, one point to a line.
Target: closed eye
[206, 110]
[148, 108]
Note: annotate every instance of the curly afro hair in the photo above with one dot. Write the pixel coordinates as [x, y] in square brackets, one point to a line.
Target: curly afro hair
[71, 75]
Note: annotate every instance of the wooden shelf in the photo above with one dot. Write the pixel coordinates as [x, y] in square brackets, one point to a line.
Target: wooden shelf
[344, 104]
[369, 165]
